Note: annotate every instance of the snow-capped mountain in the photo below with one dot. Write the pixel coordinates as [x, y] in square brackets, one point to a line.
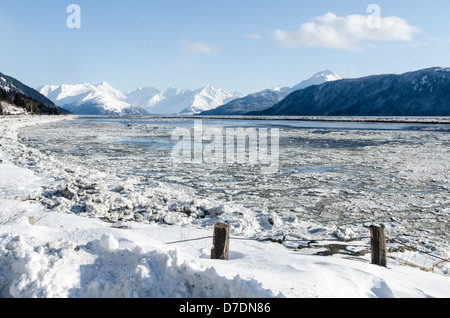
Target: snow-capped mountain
[269, 97]
[143, 97]
[317, 79]
[419, 93]
[88, 99]
[178, 101]
[103, 99]
[208, 98]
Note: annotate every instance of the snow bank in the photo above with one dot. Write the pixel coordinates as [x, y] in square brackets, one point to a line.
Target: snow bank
[67, 256]
[100, 269]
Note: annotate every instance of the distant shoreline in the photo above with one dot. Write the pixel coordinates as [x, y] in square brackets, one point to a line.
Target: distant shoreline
[438, 120]
[424, 120]
[362, 119]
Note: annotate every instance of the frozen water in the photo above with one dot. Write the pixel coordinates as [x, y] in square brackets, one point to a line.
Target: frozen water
[334, 178]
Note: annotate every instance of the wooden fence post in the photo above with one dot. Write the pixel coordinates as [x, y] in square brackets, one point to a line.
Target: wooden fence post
[221, 242]
[378, 245]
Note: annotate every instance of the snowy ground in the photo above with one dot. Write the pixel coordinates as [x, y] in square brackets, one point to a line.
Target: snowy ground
[49, 252]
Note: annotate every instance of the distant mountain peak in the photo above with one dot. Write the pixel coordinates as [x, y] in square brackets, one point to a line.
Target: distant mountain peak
[318, 79]
[328, 75]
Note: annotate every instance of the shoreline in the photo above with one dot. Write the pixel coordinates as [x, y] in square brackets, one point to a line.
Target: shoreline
[362, 119]
[431, 120]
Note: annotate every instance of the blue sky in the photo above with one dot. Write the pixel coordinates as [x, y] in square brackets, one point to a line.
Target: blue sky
[246, 45]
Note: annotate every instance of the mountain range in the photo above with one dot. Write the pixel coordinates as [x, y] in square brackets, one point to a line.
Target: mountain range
[179, 101]
[420, 93]
[269, 97]
[103, 99]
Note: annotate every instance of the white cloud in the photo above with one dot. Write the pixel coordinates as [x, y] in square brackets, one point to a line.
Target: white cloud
[350, 33]
[200, 47]
[253, 36]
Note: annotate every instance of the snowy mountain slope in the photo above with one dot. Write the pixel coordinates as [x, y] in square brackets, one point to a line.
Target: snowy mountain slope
[143, 97]
[420, 93]
[11, 84]
[317, 79]
[269, 97]
[88, 99]
[207, 98]
[18, 98]
[256, 102]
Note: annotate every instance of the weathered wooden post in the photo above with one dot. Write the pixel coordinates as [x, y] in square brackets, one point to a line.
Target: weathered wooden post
[378, 245]
[221, 242]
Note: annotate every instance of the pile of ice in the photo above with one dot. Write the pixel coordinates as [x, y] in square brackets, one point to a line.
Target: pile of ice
[91, 192]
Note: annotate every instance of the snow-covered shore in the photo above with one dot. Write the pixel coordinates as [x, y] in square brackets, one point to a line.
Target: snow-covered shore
[49, 254]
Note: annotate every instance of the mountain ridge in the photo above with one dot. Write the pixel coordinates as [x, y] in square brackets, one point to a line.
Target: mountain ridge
[418, 93]
[18, 98]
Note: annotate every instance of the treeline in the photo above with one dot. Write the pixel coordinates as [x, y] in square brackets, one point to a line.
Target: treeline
[32, 106]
